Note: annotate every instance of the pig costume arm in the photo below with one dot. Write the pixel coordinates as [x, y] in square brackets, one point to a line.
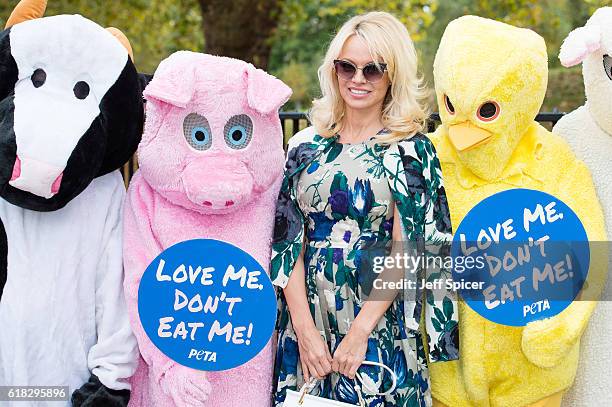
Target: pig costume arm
[185, 386]
[140, 251]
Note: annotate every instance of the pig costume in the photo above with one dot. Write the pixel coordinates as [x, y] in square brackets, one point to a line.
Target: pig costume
[211, 160]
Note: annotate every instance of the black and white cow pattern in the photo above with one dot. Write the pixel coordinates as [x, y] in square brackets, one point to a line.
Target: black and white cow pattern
[71, 113]
[65, 120]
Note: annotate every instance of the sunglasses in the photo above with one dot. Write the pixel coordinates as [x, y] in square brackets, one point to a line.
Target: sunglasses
[346, 70]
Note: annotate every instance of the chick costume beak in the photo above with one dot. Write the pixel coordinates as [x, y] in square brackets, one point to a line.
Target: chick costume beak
[465, 135]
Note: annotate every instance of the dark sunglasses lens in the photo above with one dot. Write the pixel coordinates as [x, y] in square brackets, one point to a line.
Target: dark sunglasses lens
[345, 70]
[372, 73]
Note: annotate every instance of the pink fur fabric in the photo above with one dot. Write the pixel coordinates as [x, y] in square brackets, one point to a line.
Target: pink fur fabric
[189, 188]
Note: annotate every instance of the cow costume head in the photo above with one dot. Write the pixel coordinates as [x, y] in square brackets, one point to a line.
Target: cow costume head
[71, 106]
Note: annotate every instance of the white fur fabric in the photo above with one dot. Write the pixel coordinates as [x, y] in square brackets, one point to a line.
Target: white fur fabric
[593, 384]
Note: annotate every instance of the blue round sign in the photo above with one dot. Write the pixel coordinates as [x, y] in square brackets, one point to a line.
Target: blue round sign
[207, 304]
[523, 256]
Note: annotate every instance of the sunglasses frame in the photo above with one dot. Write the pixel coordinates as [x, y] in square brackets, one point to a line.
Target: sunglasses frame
[383, 67]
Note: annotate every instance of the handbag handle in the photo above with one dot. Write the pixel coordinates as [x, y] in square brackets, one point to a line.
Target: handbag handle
[307, 387]
[388, 369]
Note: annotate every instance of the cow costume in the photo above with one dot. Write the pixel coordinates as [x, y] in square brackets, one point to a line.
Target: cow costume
[71, 113]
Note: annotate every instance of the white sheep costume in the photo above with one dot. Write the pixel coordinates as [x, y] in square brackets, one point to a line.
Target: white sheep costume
[588, 130]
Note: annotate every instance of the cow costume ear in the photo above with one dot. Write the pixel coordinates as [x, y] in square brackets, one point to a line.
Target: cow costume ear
[26, 10]
[123, 40]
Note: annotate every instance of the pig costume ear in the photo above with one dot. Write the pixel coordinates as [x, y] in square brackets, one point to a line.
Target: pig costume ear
[171, 83]
[579, 44]
[265, 93]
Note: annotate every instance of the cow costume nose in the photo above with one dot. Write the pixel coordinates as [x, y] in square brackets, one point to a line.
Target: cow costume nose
[16, 169]
[36, 177]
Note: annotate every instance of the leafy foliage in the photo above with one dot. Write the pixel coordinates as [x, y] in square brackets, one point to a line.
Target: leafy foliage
[297, 32]
[240, 28]
[306, 28]
[155, 28]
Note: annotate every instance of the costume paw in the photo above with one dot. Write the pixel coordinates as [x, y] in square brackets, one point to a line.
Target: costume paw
[95, 394]
[547, 341]
[186, 387]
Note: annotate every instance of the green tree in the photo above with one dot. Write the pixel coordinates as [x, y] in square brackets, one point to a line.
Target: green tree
[306, 27]
[155, 28]
[241, 28]
[295, 75]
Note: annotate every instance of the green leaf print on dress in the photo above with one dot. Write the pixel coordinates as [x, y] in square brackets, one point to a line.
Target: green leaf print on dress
[337, 203]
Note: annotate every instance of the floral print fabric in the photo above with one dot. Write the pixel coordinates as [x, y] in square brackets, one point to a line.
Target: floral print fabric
[342, 197]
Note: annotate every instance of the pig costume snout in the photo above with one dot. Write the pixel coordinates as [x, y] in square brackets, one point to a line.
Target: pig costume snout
[210, 166]
[231, 188]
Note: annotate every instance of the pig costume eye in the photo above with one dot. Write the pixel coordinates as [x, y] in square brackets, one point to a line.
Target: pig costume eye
[238, 131]
[197, 131]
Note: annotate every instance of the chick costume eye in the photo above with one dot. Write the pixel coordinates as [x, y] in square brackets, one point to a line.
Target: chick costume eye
[488, 111]
[197, 132]
[238, 131]
[449, 106]
[607, 61]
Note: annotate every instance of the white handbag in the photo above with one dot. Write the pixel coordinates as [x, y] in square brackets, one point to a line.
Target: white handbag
[303, 399]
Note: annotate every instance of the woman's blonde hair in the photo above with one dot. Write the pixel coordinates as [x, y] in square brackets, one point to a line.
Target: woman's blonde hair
[404, 112]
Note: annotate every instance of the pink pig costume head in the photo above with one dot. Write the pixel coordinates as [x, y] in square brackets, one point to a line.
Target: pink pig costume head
[212, 141]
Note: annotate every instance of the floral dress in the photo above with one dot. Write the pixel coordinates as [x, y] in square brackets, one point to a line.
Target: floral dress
[340, 196]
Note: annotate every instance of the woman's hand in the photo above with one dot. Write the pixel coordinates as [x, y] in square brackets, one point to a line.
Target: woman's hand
[315, 357]
[351, 352]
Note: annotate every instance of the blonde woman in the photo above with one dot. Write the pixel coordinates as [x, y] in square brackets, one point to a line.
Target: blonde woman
[360, 178]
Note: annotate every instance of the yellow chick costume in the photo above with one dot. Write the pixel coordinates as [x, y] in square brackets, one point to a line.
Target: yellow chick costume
[490, 83]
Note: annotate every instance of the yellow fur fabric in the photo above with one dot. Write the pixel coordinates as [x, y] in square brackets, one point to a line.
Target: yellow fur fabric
[479, 61]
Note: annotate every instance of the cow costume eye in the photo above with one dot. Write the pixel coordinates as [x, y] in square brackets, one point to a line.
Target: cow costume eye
[197, 131]
[81, 90]
[38, 78]
[238, 131]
